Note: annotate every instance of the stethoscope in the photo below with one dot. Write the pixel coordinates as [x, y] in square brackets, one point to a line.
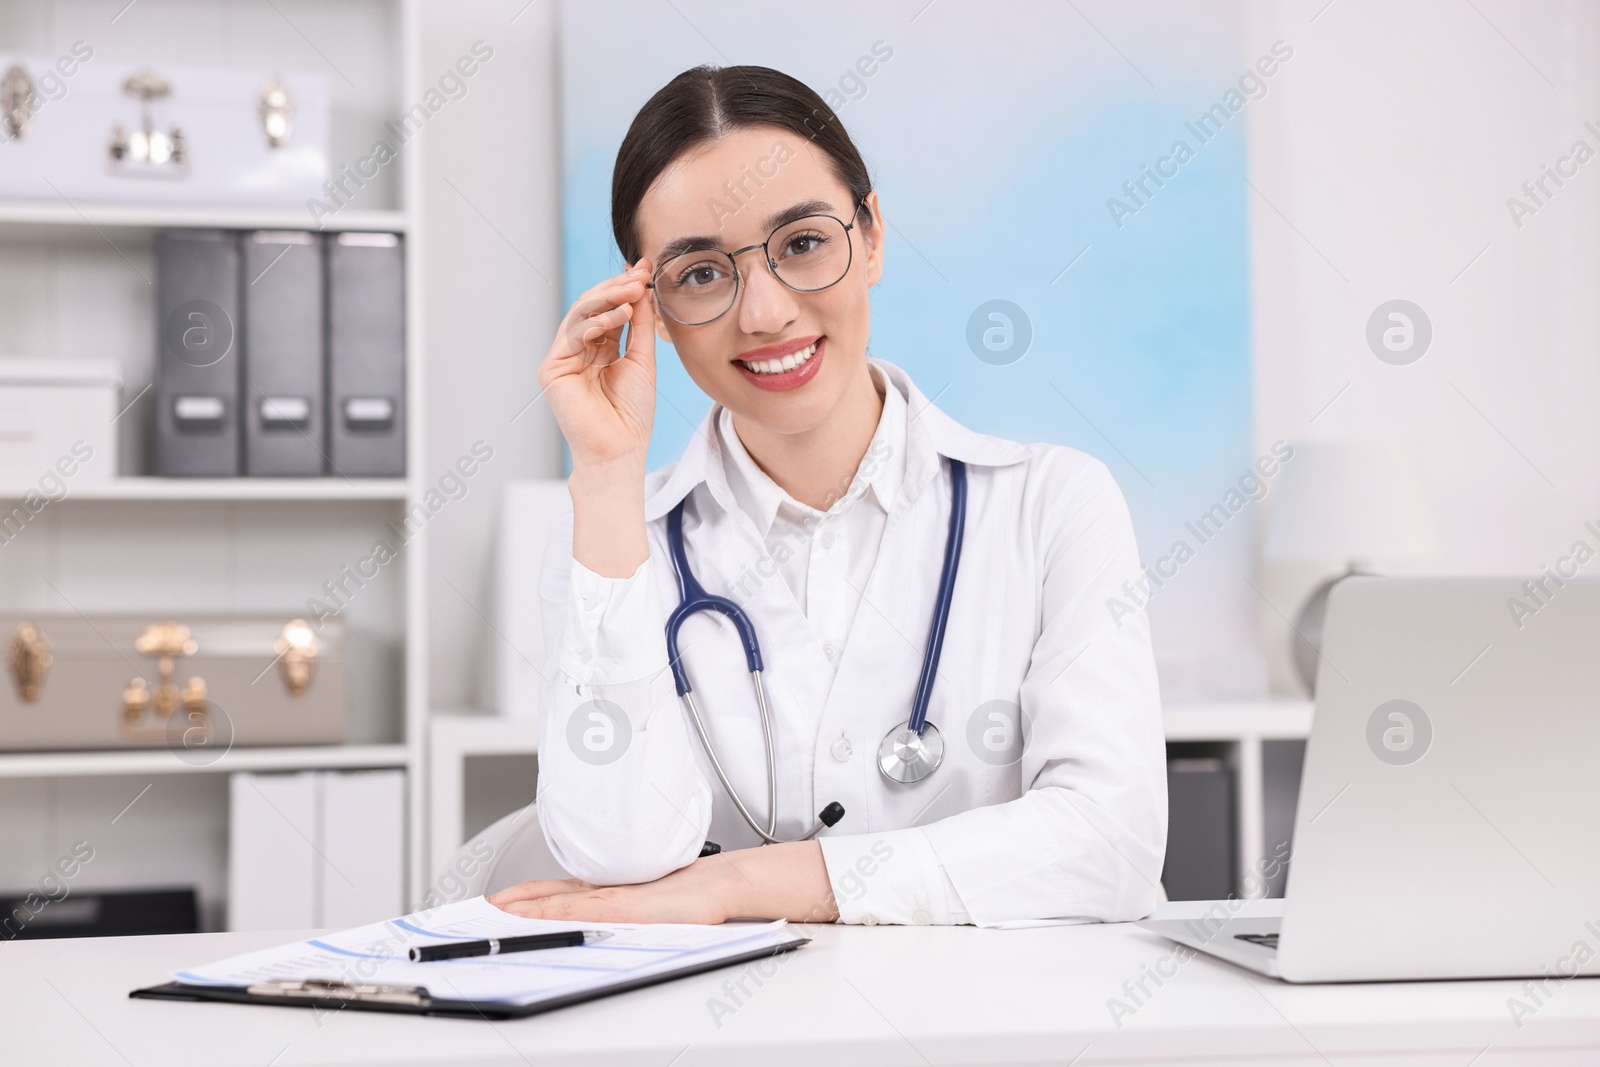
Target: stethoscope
[908, 753]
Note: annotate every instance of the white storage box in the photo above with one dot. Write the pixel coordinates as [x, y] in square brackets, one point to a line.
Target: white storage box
[56, 423]
[189, 135]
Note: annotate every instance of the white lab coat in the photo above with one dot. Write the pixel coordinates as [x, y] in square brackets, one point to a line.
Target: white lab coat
[1069, 824]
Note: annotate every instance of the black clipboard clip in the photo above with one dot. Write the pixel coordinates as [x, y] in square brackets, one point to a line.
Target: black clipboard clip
[333, 990]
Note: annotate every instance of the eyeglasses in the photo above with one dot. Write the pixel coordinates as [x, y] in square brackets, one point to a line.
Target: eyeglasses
[808, 254]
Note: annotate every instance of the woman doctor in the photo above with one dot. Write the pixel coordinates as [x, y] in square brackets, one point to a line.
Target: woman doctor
[817, 496]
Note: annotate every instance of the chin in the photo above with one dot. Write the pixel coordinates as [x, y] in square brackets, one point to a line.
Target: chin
[785, 414]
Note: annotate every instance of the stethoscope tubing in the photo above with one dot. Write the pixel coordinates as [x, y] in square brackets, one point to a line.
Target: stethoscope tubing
[692, 598]
[770, 833]
[941, 607]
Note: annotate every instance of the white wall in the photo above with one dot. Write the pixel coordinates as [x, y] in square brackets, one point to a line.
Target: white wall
[491, 199]
[1387, 149]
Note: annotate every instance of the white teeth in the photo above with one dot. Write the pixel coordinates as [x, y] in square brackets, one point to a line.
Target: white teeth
[787, 363]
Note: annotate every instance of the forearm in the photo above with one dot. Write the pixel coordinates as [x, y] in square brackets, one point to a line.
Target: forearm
[608, 529]
[637, 817]
[621, 798]
[783, 881]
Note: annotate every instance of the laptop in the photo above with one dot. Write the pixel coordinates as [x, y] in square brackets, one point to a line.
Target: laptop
[1448, 811]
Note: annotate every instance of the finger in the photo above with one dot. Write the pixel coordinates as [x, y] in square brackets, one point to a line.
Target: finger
[640, 271]
[582, 334]
[525, 909]
[603, 297]
[567, 907]
[603, 308]
[620, 278]
[642, 329]
[608, 319]
[538, 887]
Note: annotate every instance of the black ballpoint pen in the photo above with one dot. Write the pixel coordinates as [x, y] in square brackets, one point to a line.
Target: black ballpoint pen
[494, 946]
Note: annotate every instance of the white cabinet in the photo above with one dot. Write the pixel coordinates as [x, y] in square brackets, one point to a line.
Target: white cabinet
[315, 849]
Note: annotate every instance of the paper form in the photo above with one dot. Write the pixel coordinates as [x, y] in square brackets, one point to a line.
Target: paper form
[377, 953]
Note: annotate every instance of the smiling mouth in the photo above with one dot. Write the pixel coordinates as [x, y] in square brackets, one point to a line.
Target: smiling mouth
[780, 366]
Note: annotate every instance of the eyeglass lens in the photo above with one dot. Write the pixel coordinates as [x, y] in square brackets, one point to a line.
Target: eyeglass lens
[809, 254]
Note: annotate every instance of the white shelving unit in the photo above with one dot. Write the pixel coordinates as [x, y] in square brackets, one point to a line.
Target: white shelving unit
[1245, 725]
[456, 738]
[152, 490]
[161, 762]
[247, 544]
[23, 218]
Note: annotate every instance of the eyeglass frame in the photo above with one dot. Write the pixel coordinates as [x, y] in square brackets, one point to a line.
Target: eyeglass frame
[738, 277]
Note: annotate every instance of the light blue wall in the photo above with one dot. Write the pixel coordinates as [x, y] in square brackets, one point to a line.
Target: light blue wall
[996, 136]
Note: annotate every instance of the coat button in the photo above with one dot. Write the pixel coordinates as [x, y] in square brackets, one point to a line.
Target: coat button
[827, 540]
[842, 749]
[921, 917]
[829, 651]
[869, 919]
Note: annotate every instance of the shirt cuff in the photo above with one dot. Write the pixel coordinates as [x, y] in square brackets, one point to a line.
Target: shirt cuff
[614, 629]
[890, 877]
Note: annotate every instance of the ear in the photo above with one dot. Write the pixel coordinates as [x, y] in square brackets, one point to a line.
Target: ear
[662, 323]
[872, 240]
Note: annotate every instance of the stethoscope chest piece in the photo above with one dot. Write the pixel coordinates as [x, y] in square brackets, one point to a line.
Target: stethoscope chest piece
[905, 756]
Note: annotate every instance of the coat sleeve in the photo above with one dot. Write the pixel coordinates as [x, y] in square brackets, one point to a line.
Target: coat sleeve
[891, 877]
[1088, 837]
[621, 798]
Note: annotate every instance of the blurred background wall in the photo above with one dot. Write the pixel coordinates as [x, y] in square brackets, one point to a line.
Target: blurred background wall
[1375, 166]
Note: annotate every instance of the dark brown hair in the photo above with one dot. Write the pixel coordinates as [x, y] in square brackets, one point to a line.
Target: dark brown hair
[707, 102]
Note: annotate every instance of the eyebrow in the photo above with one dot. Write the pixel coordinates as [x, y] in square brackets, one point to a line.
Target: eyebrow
[679, 245]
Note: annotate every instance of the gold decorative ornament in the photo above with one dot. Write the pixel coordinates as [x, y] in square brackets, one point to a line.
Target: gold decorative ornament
[16, 89]
[148, 150]
[297, 649]
[165, 641]
[276, 108]
[30, 660]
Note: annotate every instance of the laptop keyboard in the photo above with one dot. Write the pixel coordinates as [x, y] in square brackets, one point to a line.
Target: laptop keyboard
[1264, 940]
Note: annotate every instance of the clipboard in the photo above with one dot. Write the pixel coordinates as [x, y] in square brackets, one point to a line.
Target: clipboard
[416, 1000]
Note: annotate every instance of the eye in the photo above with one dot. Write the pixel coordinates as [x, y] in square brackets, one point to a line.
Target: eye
[697, 273]
[804, 243]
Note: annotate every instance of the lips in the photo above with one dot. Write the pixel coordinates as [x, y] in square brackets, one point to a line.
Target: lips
[781, 361]
[788, 372]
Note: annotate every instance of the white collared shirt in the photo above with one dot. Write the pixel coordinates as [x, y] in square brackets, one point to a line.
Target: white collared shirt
[825, 557]
[1051, 800]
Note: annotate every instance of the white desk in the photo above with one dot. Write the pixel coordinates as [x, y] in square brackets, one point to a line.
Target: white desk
[857, 995]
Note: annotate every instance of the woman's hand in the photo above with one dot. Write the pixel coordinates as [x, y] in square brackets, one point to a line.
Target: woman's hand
[785, 881]
[697, 893]
[605, 403]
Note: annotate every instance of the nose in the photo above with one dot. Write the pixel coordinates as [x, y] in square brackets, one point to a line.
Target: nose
[766, 305]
